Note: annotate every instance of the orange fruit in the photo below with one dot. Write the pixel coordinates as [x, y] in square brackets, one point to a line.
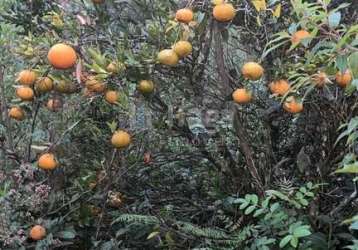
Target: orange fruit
[98, 1]
[292, 106]
[224, 12]
[168, 57]
[183, 48]
[25, 93]
[37, 232]
[111, 96]
[184, 15]
[241, 96]
[343, 80]
[299, 35]
[279, 87]
[44, 84]
[320, 79]
[62, 56]
[27, 77]
[54, 104]
[95, 85]
[252, 71]
[16, 113]
[115, 67]
[120, 139]
[217, 2]
[47, 162]
[146, 86]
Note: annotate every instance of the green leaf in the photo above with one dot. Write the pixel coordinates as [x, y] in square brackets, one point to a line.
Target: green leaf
[254, 199]
[285, 241]
[152, 235]
[348, 169]
[250, 209]
[353, 64]
[301, 231]
[294, 241]
[244, 205]
[334, 19]
[67, 235]
[258, 212]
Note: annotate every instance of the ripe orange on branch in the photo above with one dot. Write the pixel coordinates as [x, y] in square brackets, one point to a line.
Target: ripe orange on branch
[183, 48]
[62, 56]
[47, 162]
[252, 71]
[299, 35]
[344, 79]
[44, 84]
[291, 105]
[168, 57]
[25, 93]
[146, 86]
[27, 77]
[120, 139]
[37, 232]
[241, 96]
[184, 15]
[279, 87]
[16, 113]
[111, 96]
[224, 12]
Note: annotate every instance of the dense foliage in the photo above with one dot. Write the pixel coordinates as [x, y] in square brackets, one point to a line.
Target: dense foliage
[151, 130]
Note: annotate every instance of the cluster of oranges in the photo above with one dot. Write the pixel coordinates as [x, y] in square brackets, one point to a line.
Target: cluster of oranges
[63, 57]
[182, 48]
[281, 87]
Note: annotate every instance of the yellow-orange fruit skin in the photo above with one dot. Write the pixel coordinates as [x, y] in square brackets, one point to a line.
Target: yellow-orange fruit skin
[241, 96]
[344, 79]
[183, 48]
[299, 35]
[146, 86]
[44, 84]
[27, 77]
[252, 71]
[121, 139]
[224, 12]
[62, 56]
[292, 106]
[25, 93]
[37, 232]
[47, 162]
[16, 113]
[111, 96]
[279, 87]
[184, 15]
[168, 57]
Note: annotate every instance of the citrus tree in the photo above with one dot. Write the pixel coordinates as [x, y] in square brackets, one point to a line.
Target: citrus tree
[154, 124]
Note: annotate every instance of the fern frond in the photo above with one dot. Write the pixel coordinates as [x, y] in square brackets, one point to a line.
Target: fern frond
[135, 218]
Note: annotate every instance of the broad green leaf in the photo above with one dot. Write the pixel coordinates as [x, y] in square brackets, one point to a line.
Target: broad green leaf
[348, 169]
[353, 64]
[249, 210]
[294, 241]
[301, 231]
[285, 241]
[334, 19]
